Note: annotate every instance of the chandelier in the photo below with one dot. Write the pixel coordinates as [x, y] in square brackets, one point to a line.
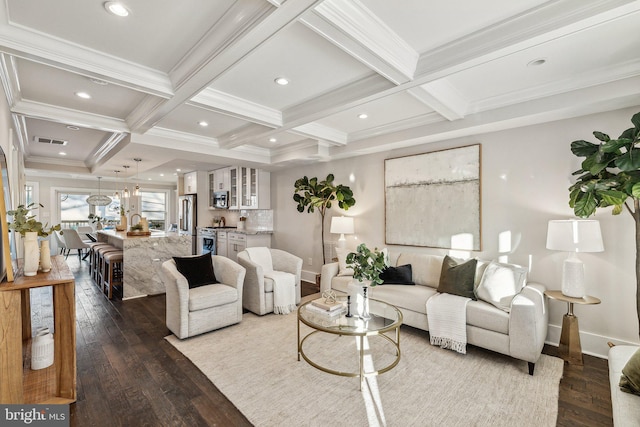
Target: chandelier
[99, 199]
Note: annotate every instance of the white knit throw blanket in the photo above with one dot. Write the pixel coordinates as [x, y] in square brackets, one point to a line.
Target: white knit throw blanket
[284, 284]
[447, 316]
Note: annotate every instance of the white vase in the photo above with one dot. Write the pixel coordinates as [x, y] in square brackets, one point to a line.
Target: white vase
[45, 256]
[42, 349]
[31, 254]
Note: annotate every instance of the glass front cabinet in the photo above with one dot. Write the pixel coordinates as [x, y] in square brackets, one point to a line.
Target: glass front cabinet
[249, 188]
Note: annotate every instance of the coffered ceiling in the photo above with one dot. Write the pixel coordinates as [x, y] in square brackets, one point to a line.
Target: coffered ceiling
[419, 70]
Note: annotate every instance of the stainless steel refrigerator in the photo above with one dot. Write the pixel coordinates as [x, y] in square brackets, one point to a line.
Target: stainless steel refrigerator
[187, 218]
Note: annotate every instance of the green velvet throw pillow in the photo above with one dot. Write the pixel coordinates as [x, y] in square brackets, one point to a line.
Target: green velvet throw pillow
[630, 378]
[458, 279]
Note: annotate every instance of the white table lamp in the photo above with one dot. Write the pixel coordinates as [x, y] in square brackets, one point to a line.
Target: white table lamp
[574, 235]
[342, 225]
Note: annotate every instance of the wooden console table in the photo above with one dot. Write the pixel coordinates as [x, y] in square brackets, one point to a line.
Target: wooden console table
[57, 383]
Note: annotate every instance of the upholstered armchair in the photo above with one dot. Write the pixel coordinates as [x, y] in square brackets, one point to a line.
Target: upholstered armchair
[258, 290]
[204, 308]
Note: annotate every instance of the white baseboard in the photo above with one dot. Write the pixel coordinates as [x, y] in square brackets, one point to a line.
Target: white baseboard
[592, 344]
[308, 276]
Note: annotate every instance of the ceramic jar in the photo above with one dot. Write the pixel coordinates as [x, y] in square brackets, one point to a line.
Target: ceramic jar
[31, 254]
[42, 349]
[45, 256]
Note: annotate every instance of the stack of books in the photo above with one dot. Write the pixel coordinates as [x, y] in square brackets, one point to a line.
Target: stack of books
[319, 305]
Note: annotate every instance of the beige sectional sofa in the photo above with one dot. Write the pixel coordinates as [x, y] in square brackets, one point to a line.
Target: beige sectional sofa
[518, 332]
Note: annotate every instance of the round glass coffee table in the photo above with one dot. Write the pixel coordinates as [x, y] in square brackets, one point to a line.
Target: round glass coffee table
[383, 317]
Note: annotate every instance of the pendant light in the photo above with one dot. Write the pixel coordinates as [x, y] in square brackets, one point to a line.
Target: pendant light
[125, 192]
[116, 194]
[136, 191]
[99, 199]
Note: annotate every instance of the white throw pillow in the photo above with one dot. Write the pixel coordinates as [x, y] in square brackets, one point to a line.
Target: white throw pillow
[500, 283]
[341, 253]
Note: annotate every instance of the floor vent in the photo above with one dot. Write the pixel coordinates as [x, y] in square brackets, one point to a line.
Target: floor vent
[44, 140]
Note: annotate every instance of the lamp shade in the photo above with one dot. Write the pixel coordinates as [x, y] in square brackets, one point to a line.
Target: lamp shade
[574, 235]
[342, 225]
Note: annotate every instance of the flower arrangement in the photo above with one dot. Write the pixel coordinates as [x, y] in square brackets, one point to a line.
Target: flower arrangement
[23, 222]
[367, 264]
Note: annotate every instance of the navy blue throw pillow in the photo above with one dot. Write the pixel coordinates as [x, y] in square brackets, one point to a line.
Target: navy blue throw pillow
[198, 270]
[401, 275]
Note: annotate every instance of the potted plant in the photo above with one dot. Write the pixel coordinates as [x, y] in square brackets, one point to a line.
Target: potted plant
[609, 176]
[95, 219]
[313, 194]
[30, 229]
[367, 264]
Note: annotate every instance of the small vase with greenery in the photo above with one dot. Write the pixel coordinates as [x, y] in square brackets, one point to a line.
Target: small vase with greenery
[367, 264]
[25, 222]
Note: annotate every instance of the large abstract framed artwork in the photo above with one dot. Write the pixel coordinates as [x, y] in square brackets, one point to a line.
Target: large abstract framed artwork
[433, 199]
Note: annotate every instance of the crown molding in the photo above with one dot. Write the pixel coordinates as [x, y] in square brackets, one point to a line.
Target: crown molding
[585, 79]
[42, 48]
[356, 30]
[21, 129]
[55, 161]
[400, 125]
[221, 102]
[323, 132]
[9, 78]
[546, 22]
[225, 45]
[68, 116]
[300, 151]
[442, 97]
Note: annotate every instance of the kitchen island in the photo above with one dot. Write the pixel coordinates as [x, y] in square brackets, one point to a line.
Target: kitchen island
[142, 257]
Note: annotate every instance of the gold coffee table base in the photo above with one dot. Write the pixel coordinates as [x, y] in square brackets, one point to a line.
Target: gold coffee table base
[390, 321]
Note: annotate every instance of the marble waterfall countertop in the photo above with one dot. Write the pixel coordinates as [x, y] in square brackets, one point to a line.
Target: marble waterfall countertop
[236, 230]
[142, 257]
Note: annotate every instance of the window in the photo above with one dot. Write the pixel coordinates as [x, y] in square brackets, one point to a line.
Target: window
[74, 209]
[154, 208]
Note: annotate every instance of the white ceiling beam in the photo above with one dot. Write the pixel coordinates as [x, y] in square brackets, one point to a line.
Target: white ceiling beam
[225, 45]
[112, 144]
[353, 28]
[318, 131]
[54, 113]
[442, 97]
[224, 103]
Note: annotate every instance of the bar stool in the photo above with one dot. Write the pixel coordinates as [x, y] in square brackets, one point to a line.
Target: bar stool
[99, 263]
[112, 272]
[92, 251]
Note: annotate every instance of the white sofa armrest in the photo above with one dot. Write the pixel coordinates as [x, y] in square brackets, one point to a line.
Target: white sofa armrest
[329, 271]
[528, 323]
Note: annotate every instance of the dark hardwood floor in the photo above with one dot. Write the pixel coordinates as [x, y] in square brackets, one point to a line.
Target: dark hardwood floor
[128, 375]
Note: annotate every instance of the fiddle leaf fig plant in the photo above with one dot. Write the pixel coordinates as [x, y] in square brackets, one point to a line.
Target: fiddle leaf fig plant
[311, 194]
[610, 177]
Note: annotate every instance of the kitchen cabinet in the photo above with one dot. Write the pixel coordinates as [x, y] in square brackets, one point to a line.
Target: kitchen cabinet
[57, 383]
[218, 181]
[230, 243]
[191, 183]
[236, 242]
[249, 188]
[221, 243]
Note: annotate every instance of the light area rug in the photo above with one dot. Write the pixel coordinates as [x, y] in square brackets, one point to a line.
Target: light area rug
[254, 363]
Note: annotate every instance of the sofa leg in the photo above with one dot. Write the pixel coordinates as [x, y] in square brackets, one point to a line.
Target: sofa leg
[531, 367]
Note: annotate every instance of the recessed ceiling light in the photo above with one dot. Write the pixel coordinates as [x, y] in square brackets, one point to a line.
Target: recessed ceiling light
[273, 140]
[203, 123]
[178, 170]
[83, 95]
[116, 8]
[362, 116]
[161, 174]
[282, 81]
[73, 127]
[62, 153]
[148, 179]
[537, 62]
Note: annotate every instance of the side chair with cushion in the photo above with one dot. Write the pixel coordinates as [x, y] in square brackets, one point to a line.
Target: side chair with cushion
[259, 290]
[72, 240]
[204, 293]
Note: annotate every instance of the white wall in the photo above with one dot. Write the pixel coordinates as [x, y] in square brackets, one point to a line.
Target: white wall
[525, 176]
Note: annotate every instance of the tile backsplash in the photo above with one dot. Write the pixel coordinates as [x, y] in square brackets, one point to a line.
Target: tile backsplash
[258, 219]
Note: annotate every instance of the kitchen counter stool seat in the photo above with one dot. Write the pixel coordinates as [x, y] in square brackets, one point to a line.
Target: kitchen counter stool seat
[111, 272]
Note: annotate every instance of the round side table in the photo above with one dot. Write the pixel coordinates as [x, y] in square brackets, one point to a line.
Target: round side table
[570, 349]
